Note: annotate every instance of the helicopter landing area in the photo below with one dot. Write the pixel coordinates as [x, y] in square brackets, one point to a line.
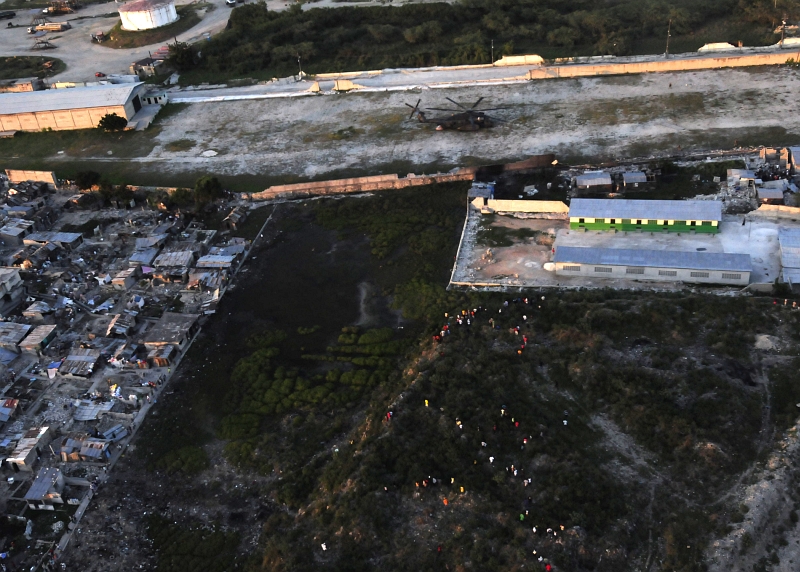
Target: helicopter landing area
[588, 119]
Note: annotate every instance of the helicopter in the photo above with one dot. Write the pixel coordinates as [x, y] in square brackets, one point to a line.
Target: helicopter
[461, 119]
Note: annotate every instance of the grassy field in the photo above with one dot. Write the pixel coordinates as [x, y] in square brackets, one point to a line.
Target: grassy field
[13, 67]
[123, 39]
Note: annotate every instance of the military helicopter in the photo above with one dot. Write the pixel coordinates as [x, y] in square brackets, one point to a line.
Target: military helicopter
[461, 119]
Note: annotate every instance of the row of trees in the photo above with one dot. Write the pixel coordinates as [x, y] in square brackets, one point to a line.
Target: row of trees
[260, 42]
[207, 189]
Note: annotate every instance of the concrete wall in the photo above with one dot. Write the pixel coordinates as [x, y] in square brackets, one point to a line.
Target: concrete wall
[651, 273]
[777, 211]
[355, 185]
[683, 64]
[514, 206]
[17, 176]
[61, 120]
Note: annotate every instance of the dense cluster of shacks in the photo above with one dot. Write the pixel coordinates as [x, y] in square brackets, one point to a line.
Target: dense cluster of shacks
[770, 178]
[95, 309]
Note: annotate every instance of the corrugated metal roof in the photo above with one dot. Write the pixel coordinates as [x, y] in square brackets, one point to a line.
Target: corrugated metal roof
[741, 174]
[215, 261]
[643, 209]
[45, 482]
[791, 275]
[12, 333]
[634, 177]
[47, 236]
[37, 336]
[654, 258]
[73, 98]
[593, 179]
[170, 259]
[770, 194]
[789, 239]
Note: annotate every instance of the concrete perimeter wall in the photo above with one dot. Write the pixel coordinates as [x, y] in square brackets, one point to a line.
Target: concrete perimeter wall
[514, 206]
[777, 211]
[356, 185]
[683, 64]
[17, 176]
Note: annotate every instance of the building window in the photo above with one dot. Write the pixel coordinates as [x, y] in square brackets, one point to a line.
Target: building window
[667, 272]
[581, 220]
[572, 268]
[705, 223]
[692, 223]
[602, 269]
[698, 274]
[634, 271]
[613, 221]
[727, 276]
[639, 221]
[626, 221]
[652, 222]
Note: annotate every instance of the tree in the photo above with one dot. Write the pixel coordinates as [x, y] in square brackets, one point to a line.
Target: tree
[112, 122]
[87, 179]
[206, 190]
[181, 56]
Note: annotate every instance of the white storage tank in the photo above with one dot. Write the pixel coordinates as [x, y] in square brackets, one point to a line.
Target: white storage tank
[147, 14]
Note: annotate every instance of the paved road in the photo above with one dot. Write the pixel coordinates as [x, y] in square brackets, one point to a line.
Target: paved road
[83, 58]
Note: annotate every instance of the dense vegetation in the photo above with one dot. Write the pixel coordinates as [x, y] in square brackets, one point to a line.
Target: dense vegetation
[260, 43]
[623, 417]
[13, 67]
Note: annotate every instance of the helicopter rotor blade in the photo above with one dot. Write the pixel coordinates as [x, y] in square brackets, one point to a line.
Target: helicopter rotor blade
[456, 104]
[414, 109]
[474, 105]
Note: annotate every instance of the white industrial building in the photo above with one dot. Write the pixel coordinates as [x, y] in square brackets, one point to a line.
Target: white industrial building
[73, 108]
[147, 14]
[661, 265]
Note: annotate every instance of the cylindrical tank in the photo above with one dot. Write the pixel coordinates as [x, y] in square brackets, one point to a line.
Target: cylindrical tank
[147, 14]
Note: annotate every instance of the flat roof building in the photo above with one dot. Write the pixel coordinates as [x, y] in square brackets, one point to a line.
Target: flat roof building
[593, 179]
[46, 489]
[661, 265]
[74, 108]
[172, 330]
[645, 215]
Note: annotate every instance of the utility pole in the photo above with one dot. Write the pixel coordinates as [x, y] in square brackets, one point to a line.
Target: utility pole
[669, 27]
[783, 29]
[492, 52]
[300, 67]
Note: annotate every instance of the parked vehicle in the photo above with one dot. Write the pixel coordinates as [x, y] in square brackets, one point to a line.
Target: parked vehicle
[7, 14]
[230, 3]
[99, 74]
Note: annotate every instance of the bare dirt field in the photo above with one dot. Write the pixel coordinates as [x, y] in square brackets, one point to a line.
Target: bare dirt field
[369, 133]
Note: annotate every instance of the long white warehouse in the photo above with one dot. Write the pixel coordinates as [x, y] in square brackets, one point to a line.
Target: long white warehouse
[661, 265]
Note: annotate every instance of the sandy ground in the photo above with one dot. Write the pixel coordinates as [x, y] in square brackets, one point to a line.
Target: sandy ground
[610, 117]
[522, 264]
